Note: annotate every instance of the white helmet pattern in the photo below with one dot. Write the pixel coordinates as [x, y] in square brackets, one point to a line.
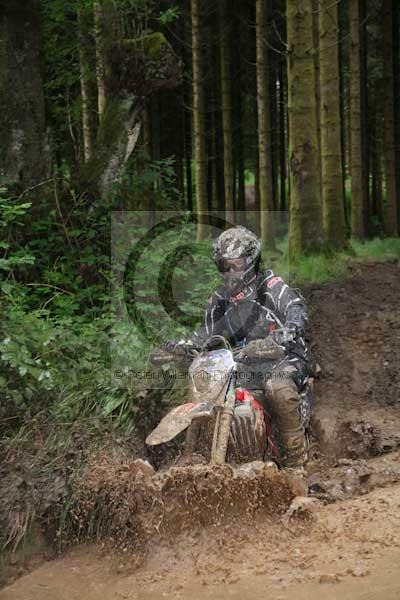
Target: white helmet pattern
[237, 242]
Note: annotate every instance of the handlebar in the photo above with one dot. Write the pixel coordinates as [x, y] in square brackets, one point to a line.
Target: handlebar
[161, 356]
[272, 346]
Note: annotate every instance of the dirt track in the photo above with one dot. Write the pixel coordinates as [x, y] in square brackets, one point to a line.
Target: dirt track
[350, 549]
[356, 328]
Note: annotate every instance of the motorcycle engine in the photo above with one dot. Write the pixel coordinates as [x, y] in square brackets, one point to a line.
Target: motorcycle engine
[248, 431]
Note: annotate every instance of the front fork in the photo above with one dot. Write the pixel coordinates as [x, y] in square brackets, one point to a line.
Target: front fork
[223, 422]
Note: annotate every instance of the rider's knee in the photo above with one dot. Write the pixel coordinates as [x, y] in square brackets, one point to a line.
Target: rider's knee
[284, 399]
[282, 390]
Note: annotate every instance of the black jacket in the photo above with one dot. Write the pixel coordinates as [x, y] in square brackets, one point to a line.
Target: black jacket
[265, 304]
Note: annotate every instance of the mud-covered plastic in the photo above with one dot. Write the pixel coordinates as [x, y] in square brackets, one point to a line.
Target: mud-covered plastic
[210, 374]
[177, 420]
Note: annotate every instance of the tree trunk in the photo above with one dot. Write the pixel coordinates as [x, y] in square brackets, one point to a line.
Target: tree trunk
[156, 135]
[396, 61]
[217, 137]
[213, 94]
[257, 201]
[117, 137]
[365, 132]
[122, 119]
[100, 34]
[344, 105]
[316, 12]
[199, 117]
[274, 102]
[24, 152]
[305, 233]
[209, 150]
[187, 113]
[264, 130]
[376, 151]
[86, 62]
[331, 151]
[357, 166]
[216, 166]
[226, 107]
[282, 138]
[390, 205]
[188, 157]
[376, 188]
[149, 200]
[239, 116]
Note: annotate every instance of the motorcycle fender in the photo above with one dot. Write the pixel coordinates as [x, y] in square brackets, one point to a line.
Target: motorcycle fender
[177, 420]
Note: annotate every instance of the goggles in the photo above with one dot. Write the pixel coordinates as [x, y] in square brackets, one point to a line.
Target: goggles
[237, 265]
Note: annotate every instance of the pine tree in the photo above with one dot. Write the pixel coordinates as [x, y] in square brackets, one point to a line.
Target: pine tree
[331, 151]
[357, 166]
[390, 205]
[264, 129]
[305, 207]
[87, 83]
[100, 28]
[239, 112]
[24, 158]
[226, 107]
[282, 136]
[396, 61]
[199, 117]
[317, 84]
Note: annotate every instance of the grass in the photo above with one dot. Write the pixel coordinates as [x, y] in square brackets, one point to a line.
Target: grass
[321, 268]
[377, 249]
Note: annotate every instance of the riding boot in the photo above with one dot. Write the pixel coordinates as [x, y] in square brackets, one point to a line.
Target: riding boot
[285, 403]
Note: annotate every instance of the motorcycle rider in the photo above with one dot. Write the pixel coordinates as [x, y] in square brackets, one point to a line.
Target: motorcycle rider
[250, 305]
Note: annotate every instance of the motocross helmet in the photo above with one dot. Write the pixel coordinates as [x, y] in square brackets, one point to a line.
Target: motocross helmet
[237, 253]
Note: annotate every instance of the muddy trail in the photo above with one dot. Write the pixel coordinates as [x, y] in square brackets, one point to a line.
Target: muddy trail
[223, 533]
[355, 329]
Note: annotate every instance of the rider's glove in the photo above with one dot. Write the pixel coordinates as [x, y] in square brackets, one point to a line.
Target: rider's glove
[169, 346]
[177, 348]
[285, 336]
[295, 329]
[296, 319]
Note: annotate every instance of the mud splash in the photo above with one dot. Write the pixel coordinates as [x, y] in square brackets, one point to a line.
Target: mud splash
[129, 503]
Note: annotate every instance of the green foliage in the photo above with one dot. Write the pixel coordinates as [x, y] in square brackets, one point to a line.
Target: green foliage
[12, 210]
[150, 184]
[380, 249]
[249, 177]
[53, 353]
[58, 331]
[169, 15]
[150, 45]
[318, 268]
[322, 268]
[51, 365]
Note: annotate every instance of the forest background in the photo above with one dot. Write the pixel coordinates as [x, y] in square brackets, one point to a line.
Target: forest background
[246, 108]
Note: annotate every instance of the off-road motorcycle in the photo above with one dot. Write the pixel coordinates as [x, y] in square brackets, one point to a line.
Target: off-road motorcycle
[224, 421]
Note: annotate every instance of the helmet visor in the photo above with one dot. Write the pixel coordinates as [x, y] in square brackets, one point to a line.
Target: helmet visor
[232, 264]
